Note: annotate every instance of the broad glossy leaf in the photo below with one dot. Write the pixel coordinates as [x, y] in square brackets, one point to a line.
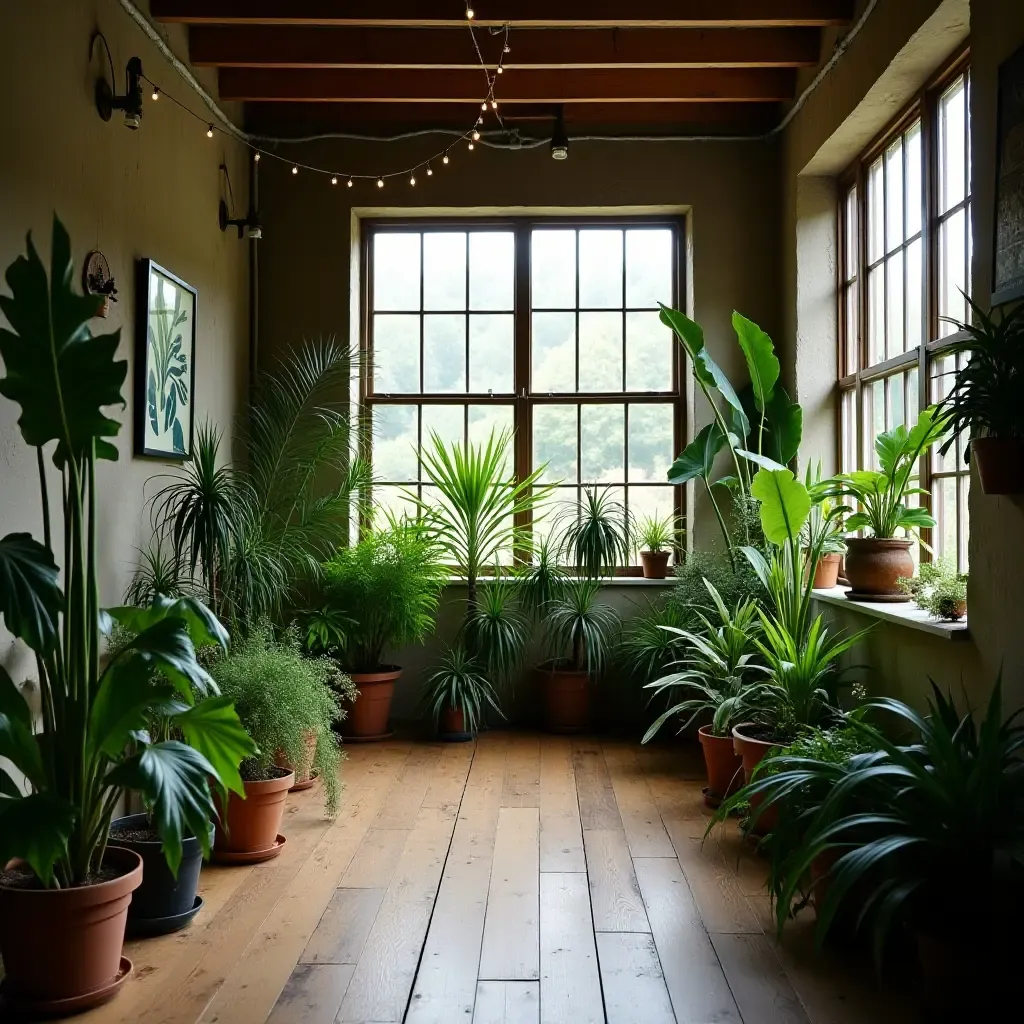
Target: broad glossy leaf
[12, 703]
[204, 627]
[127, 696]
[36, 829]
[19, 746]
[30, 599]
[173, 780]
[785, 504]
[915, 518]
[698, 458]
[214, 729]
[761, 460]
[60, 375]
[867, 481]
[166, 646]
[761, 359]
[784, 423]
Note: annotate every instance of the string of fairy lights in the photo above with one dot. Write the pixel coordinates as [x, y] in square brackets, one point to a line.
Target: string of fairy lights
[442, 158]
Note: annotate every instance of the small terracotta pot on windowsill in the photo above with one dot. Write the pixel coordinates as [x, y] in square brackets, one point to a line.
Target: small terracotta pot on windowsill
[655, 564]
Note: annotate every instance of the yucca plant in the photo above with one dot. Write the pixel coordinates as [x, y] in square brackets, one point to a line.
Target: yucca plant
[656, 533]
[596, 535]
[459, 683]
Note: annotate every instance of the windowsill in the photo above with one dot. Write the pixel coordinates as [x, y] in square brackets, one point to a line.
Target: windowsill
[908, 614]
[611, 581]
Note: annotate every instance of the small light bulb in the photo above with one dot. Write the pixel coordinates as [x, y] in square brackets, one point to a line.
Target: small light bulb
[209, 131]
[412, 180]
[380, 183]
[256, 157]
[476, 135]
[349, 183]
[470, 13]
[483, 106]
[156, 94]
[430, 170]
[508, 49]
[445, 160]
[494, 104]
[334, 179]
[479, 120]
[501, 70]
[471, 145]
[295, 170]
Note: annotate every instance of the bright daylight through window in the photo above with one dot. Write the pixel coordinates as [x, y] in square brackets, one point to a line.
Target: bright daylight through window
[550, 329]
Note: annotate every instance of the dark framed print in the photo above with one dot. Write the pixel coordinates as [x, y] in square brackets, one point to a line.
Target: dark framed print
[165, 374]
[1008, 245]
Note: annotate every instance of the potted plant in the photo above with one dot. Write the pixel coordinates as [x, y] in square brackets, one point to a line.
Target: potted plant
[939, 589]
[281, 697]
[825, 521]
[383, 593]
[984, 401]
[458, 694]
[595, 533]
[657, 535]
[646, 648]
[580, 635]
[720, 660]
[64, 892]
[875, 563]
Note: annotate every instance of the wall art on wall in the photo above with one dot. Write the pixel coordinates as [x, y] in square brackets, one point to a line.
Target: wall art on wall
[164, 363]
[1008, 258]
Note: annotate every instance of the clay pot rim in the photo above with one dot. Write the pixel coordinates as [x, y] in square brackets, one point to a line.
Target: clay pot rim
[285, 781]
[705, 733]
[753, 740]
[553, 668]
[93, 894]
[187, 842]
[385, 674]
[880, 542]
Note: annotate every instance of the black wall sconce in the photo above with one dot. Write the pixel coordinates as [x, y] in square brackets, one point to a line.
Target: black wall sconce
[107, 101]
[249, 224]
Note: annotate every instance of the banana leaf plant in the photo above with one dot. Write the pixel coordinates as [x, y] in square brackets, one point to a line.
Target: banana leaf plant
[760, 418]
[92, 743]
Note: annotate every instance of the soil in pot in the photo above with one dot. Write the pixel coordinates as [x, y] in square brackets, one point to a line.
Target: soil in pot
[161, 895]
[65, 944]
[251, 826]
[826, 572]
[1000, 462]
[368, 716]
[874, 564]
[566, 699]
[655, 564]
[723, 765]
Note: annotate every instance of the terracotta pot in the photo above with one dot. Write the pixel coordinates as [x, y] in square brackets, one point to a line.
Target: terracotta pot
[1000, 462]
[61, 944]
[566, 699]
[309, 752]
[453, 722]
[722, 762]
[826, 572]
[368, 716]
[253, 824]
[752, 751]
[655, 564]
[874, 564]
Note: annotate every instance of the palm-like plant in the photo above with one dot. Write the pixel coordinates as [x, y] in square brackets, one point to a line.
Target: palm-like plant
[720, 662]
[542, 580]
[648, 646]
[497, 630]
[597, 533]
[458, 682]
[579, 624]
[156, 572]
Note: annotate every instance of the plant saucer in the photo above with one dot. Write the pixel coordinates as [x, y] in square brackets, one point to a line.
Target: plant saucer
[32, 1009]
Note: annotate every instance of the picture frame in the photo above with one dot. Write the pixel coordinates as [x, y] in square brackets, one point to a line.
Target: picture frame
[165, 343]
[1008, 228]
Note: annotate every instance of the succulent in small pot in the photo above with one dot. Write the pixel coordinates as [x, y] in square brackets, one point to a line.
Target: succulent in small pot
[939, 589]
[656, 536]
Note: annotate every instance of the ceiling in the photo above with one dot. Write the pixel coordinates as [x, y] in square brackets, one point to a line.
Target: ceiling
[626, 66]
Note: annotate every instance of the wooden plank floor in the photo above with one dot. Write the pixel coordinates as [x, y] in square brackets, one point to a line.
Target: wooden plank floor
[521, 879]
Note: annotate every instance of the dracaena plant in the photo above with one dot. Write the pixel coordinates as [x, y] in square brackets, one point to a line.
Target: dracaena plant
[91, 744]
[595, 533]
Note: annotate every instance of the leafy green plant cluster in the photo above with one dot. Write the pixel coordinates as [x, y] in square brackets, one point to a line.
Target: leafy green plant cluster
[596, 533]
[579, 629]
[939, 589]
[658, 533]
[458, 683]
[646, 649]
[281, 697]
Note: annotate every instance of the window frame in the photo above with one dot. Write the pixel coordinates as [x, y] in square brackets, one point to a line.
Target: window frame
[523, 399]
[924, 107]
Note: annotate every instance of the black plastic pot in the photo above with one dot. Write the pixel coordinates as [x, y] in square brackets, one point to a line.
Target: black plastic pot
[162, 903]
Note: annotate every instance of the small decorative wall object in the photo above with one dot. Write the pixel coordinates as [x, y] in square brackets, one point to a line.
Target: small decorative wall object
[164, 363]
[1008, 255]
[96, 280]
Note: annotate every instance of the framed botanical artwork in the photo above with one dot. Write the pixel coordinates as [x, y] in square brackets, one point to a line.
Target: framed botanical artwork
[1008, 257]
[165, 344]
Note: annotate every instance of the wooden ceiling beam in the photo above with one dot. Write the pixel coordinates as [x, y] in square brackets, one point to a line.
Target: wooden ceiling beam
[293, 46]
[736, 85]
[516, 13]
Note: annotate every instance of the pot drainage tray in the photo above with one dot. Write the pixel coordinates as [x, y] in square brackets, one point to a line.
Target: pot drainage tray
[368, 739]
[33, 1009]
[306, 783]
[144, 927]
[249, 856]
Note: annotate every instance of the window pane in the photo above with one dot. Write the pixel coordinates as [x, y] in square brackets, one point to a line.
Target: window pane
[396, 271]
[483, 419]
[600, 269]
[490, 353]
[876, 212]
[651, 442]
[876, 396]
[894, 195]
[852, 324]
[952, 270]
[649, 268]
[896, 415]
[554, 352]
[915, 188]
[553, 269]
[850, 231]
[913, 398]
[944, 508]
[600, 352]
[915, 295]
[650, 503]
[393, 500]
[602, 443]
[964, 530]
[648, 353]
[952, 141]
[894, 304]
[396, 353]
[848, 429]
[876, 315]
[444, 352]
[394, 442]
[447, 421]
[554, 441]
[444, 270]
[943, 375]
[491, 270]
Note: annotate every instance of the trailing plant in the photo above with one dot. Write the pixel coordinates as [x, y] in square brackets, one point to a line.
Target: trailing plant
[720, 660]
[595, 533]
[460, 684]
[281, 697]
[384, 591]
[939, 589]
[880, 493]
[646, 648]
[658, 533]
[91, 745]
[580, 630]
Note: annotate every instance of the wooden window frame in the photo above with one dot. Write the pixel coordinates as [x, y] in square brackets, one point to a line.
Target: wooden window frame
[523, 400]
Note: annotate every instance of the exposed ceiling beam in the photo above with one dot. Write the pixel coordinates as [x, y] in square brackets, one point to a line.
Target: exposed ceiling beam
[331, 47]
[517, 13]
[739, 85]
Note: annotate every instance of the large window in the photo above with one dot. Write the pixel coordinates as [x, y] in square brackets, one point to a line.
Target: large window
[548, 328]
[905, 225]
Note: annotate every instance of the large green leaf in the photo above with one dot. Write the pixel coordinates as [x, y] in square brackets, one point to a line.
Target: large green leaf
[30, 599]
[60, 375]
[12, 703]
[915, 518]
[166, 646]
[761, 359]
[204, 627]
[36, 829]
[124, 703]
[19, 746]
[173, 780]
[212, 726]
[784, 422]
[785, 504]
[698, 458]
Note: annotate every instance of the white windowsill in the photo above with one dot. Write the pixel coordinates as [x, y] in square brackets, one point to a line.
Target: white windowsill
[612, 581]
[902, 614]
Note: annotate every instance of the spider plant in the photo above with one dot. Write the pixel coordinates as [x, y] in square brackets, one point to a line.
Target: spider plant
[578, 624]
[597, 535]
[459, 683]
[656, 533]
[497, 631]
[649, 642]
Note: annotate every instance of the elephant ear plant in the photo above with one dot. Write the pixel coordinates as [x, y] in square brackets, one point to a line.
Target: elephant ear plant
[92, 744]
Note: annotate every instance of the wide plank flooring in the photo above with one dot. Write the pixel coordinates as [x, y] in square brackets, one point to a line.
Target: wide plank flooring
[523, 878]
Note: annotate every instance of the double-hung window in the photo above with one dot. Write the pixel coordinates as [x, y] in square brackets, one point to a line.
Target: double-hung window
[905, 260]
[548, 328]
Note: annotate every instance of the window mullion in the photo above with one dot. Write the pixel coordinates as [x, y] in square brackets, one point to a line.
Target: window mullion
[523, 407]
